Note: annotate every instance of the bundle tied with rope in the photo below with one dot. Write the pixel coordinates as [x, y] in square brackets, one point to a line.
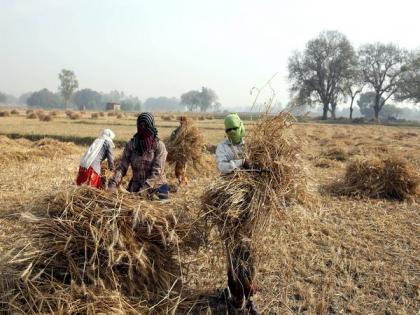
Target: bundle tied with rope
[86, 251]
[244, 201]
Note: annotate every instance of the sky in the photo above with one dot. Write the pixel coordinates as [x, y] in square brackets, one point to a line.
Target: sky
[165, 48]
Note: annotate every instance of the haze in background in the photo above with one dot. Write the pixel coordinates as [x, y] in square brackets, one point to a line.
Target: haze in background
[155, 48]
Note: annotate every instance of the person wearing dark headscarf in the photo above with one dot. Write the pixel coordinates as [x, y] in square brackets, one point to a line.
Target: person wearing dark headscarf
[146, 154]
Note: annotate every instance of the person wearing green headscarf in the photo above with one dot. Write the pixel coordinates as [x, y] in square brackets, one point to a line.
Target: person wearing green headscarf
[240, 267]
[230, 152]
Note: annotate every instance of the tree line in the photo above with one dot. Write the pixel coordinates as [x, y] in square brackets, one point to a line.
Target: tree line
[88, 99]
[329, 71]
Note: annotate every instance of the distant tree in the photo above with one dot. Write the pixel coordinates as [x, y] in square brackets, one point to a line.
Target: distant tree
[113, 96]
[353, 85]
[44, 99]
[390, 111]
[68, 84]
[409, 87]
[195, 100]
[131, 104]
[24, 97]
[317, 75]
[191, 100]
[382, 68]
[217, 107]
[87, 99]
[366, 103]
[161, 103]
[3, 97]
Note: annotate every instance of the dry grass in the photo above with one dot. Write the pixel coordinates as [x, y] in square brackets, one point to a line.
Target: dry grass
[390, 178]
[32, 115]
[45, 117]
[341, 255]
[94, 116]
[95, 240]
[187, 146]
[14, 112]
[4, 113]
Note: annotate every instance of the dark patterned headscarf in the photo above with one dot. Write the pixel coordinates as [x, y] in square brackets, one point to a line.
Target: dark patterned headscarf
[146, 133]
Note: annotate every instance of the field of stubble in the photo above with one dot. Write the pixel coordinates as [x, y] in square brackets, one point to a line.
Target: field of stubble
[338, 255]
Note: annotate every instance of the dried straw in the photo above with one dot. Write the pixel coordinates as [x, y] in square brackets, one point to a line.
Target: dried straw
[389, 178]
[187, 146]
[90, 238]
[245, 200]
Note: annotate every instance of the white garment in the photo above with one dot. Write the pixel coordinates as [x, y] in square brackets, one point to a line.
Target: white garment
[96, 146]
[229, 156]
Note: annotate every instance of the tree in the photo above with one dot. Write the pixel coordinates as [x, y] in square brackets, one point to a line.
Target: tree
[161, 103]
[44, 99]
[191, 100]
[353, 85]
[87, 99]
[382, 68]
[409, 87]
[3, 97]
[317, 75]
[68, 83]
[24, 97]
[199, 100]
[131, 104]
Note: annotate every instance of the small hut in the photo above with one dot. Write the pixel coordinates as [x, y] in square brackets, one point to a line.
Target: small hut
[111, 106]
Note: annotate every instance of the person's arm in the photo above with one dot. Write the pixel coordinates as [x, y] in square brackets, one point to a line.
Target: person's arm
[225, 165]
[158, 165]
[109, 156]
[122, 168]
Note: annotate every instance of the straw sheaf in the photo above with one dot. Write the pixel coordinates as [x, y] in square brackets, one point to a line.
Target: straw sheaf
[95, 239]
[389, 178]
[187, 146]
[245, 200]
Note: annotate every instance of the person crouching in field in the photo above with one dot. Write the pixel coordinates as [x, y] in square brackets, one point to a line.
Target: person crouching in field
[180, 166]
[240, 269]
[90, 165]
[146, 154]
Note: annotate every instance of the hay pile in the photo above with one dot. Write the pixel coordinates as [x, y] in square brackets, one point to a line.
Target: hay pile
[4, 113]
[86, 251]
[187, 146]
[246, 200]
[389, 178]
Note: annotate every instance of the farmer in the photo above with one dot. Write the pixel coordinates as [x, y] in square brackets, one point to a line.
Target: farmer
[90, 165]
[180, 166]
[146, 155]
[240, 269]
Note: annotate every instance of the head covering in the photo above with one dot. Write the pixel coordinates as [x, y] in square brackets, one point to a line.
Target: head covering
[234, 128]
[146, 133]
[94, 149]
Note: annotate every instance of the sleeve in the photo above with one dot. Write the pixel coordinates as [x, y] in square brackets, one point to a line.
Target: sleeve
[158, 165]
[109, 156]
[224, 164]
[122, 167]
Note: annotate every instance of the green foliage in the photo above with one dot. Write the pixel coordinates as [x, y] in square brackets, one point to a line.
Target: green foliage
[44, 99]
[3, 97]
[203, 100]
[88, 99]
[68, 84]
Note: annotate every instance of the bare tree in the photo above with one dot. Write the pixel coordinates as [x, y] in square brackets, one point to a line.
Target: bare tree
[353, 86]
[382, 68]
[317, 75]
[409, 88]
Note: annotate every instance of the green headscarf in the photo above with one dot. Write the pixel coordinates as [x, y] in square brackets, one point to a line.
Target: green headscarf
[233, 121]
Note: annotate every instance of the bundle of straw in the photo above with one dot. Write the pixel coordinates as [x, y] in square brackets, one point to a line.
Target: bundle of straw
[246, 200]
[90, 238]
[389, 178]
[187, 146]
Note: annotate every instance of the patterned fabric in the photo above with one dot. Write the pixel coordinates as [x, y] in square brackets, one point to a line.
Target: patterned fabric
[146, 133]
[88, 177]
[148, 168]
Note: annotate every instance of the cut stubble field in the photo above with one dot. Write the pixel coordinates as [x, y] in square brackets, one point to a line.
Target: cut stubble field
[336, 255]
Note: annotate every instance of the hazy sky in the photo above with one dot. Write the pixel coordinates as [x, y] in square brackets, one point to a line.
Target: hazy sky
[165, 48]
